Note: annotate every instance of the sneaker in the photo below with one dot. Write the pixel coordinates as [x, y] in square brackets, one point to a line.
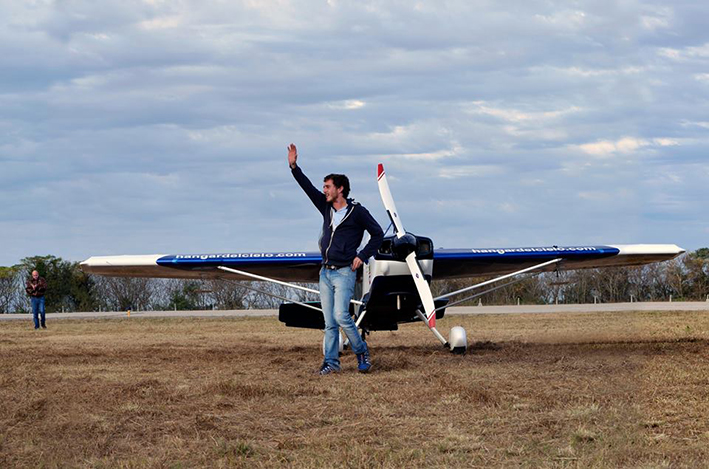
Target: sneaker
[43, 326]
[326, 369]
[363, 363]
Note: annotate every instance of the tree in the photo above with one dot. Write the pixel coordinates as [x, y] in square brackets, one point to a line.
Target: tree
[9, 288]
[68, 288]
[676, 278]
[702, 253]
[83, 294]
[123, 293]
[697, 266]
[184, 295]
[228, 294]
[58, 274]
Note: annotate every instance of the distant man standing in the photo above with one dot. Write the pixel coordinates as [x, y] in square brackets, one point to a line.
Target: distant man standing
[36, 288]
[344, 223]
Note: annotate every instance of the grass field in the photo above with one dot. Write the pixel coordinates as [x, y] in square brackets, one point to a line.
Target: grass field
[538, 390]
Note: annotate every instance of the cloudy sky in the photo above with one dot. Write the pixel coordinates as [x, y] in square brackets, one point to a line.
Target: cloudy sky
[137, 127]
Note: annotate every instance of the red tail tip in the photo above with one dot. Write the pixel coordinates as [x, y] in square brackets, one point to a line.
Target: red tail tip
[380, 170]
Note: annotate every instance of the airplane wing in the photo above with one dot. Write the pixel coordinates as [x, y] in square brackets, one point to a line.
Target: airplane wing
[448, 263]
[286, 266]
[460, 263]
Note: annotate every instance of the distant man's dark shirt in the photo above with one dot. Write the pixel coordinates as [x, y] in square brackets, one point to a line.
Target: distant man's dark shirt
[36, 288]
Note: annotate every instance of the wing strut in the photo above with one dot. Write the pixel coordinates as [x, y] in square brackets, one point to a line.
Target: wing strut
[285, 284]
[497, 279]
[305, 305]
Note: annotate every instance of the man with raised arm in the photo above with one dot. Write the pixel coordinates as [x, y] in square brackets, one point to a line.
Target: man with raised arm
[344, 223]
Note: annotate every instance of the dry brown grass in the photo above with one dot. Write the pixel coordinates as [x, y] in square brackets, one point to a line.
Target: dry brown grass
[543, 390]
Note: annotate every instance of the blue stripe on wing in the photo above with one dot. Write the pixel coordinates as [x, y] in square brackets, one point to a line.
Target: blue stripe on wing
[243, 259]
[526, 253]
[458, 263]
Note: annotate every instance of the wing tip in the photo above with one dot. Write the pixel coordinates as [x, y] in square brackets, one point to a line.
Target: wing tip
[380, 170]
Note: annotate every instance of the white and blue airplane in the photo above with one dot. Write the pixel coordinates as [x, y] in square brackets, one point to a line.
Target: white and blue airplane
[394, 285]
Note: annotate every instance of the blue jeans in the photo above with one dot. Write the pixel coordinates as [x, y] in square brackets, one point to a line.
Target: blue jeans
[37, 309]
[336, 290]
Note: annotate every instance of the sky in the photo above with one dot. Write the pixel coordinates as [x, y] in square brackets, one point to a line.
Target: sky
[148, 127]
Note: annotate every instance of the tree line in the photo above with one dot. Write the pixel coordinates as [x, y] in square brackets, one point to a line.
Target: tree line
[685, 278]
[72, 290]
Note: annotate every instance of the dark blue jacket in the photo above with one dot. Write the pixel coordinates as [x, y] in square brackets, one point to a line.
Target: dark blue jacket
[338, 246]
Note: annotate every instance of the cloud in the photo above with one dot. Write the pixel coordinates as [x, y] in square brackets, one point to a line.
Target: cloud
[687, 53]
[626, 145]
[348, 104]
[165, 22]
[572, 19]
[153, 126]
[474, 171]
[516, 115]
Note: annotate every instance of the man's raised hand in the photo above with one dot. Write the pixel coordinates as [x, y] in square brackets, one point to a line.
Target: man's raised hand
[292, 155]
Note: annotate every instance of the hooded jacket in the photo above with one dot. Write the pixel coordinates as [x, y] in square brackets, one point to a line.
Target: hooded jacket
[338, 245]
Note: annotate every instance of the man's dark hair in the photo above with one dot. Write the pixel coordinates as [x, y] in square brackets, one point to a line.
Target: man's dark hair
[340, 180]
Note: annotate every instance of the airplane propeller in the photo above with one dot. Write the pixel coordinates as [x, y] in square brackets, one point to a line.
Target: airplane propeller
[405, 246]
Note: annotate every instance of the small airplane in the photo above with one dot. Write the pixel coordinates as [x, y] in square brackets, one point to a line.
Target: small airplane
[394, 285]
